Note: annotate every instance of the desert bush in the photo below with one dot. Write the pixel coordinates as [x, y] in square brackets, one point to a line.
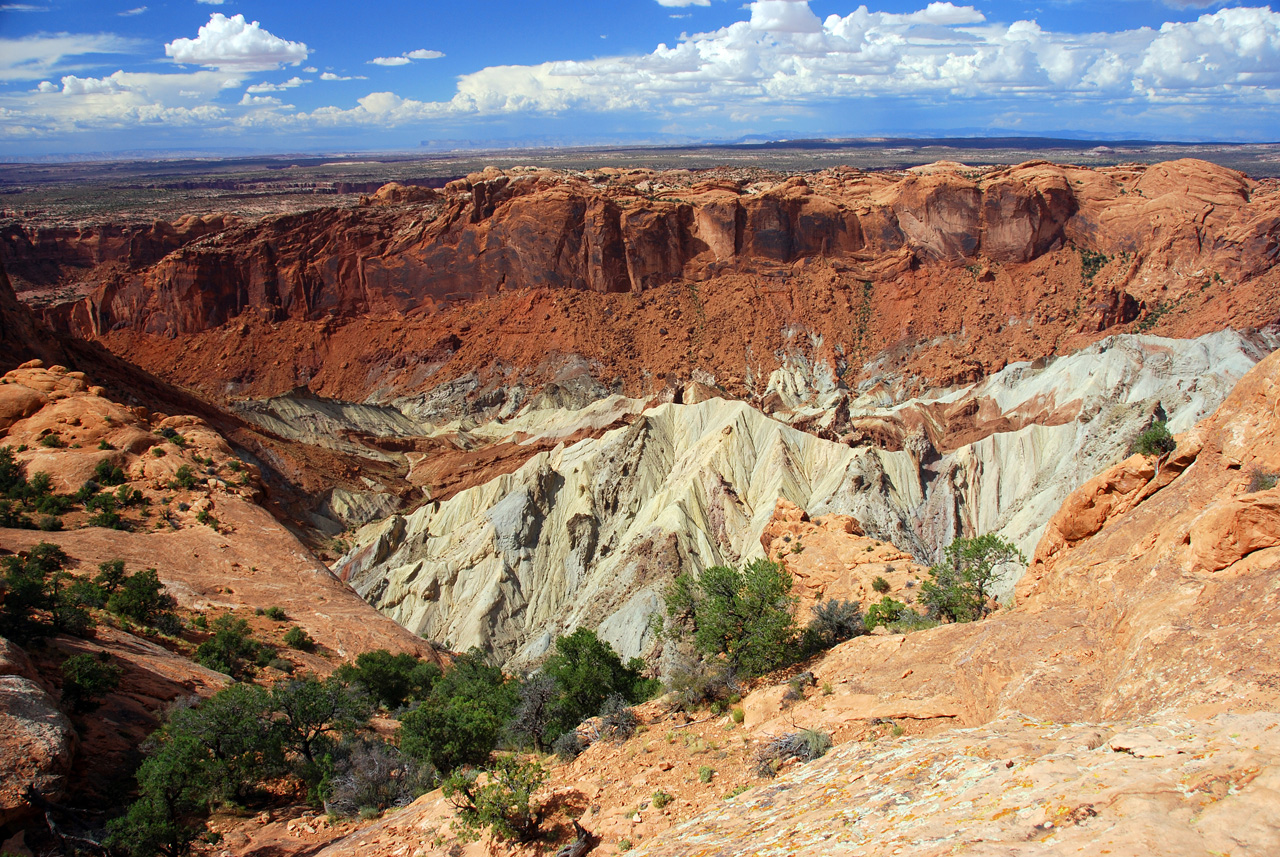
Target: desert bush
[1156, 440]
[744, 614]
[804, 745]
[569, 746]
[142, 598]
[86, 679]
[705, 773]
[696, 683]
[463, 716]
[961, 584]
[661, 799]
[1261, 480]
[370, 774]
[618, 720]
[183, 478]
[107, 473]
[887, 610]
[832, 623]
[587, 671]
[391, 680]
[276, 614]
[297, 638]
[231, 649]
[503, 805]
[36, 586]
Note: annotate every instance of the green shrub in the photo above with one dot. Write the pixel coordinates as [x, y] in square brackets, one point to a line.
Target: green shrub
[231, 649]
[880, 585]
[276, 614]
[12, 516]
[142, 598]
[391, 680]
[105, 514]
[502, 806]
[102, 444]
[886, 611]
[53, 441]
[745, 614]
[86, 679]
[309, 714]
[37, 586]
[587, 671]
[705, 773]
[107, 473]
[661, 799]
[462, 718]
[297, 638]
[183, 478]
[1156, 440]
[204, 517]
[961, 584]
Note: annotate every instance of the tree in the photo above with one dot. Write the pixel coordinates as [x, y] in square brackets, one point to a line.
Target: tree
[86, 679]
[587, 671]
[745, 614]
[390, 679]
[142, 598]
[309, 713]
[168, 816]
[534, 714]
[237, 730]
[462, 718]
[35, 583]
[502, 804]
[1156, 440]
[961, 584]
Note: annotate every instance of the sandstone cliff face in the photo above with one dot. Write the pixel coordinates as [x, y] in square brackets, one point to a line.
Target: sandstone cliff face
[925, 272]
[590, 532]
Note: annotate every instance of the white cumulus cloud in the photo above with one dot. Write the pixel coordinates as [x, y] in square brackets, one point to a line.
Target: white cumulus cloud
[236, 44]
[390, 61]
[407, 57]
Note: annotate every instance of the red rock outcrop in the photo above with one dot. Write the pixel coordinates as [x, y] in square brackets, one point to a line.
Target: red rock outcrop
[931, 269]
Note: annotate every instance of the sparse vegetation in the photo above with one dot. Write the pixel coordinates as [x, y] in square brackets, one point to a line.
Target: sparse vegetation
[804, 746]
[880, 585]
[231, 649]
[1262, 480]
[276, 614]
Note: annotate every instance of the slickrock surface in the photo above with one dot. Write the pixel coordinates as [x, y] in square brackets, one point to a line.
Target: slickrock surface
[37, 742]
[243, 559]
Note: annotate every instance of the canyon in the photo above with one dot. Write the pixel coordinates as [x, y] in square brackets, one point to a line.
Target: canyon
[488, 413]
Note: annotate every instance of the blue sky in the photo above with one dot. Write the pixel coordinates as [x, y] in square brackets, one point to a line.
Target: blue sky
[320, 75]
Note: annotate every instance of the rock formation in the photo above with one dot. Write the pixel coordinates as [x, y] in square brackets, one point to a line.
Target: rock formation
[590, 533]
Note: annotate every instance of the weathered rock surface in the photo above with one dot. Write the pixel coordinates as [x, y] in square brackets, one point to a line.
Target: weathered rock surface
[37, 743]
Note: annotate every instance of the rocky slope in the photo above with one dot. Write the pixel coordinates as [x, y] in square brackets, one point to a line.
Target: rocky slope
[590, 532]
